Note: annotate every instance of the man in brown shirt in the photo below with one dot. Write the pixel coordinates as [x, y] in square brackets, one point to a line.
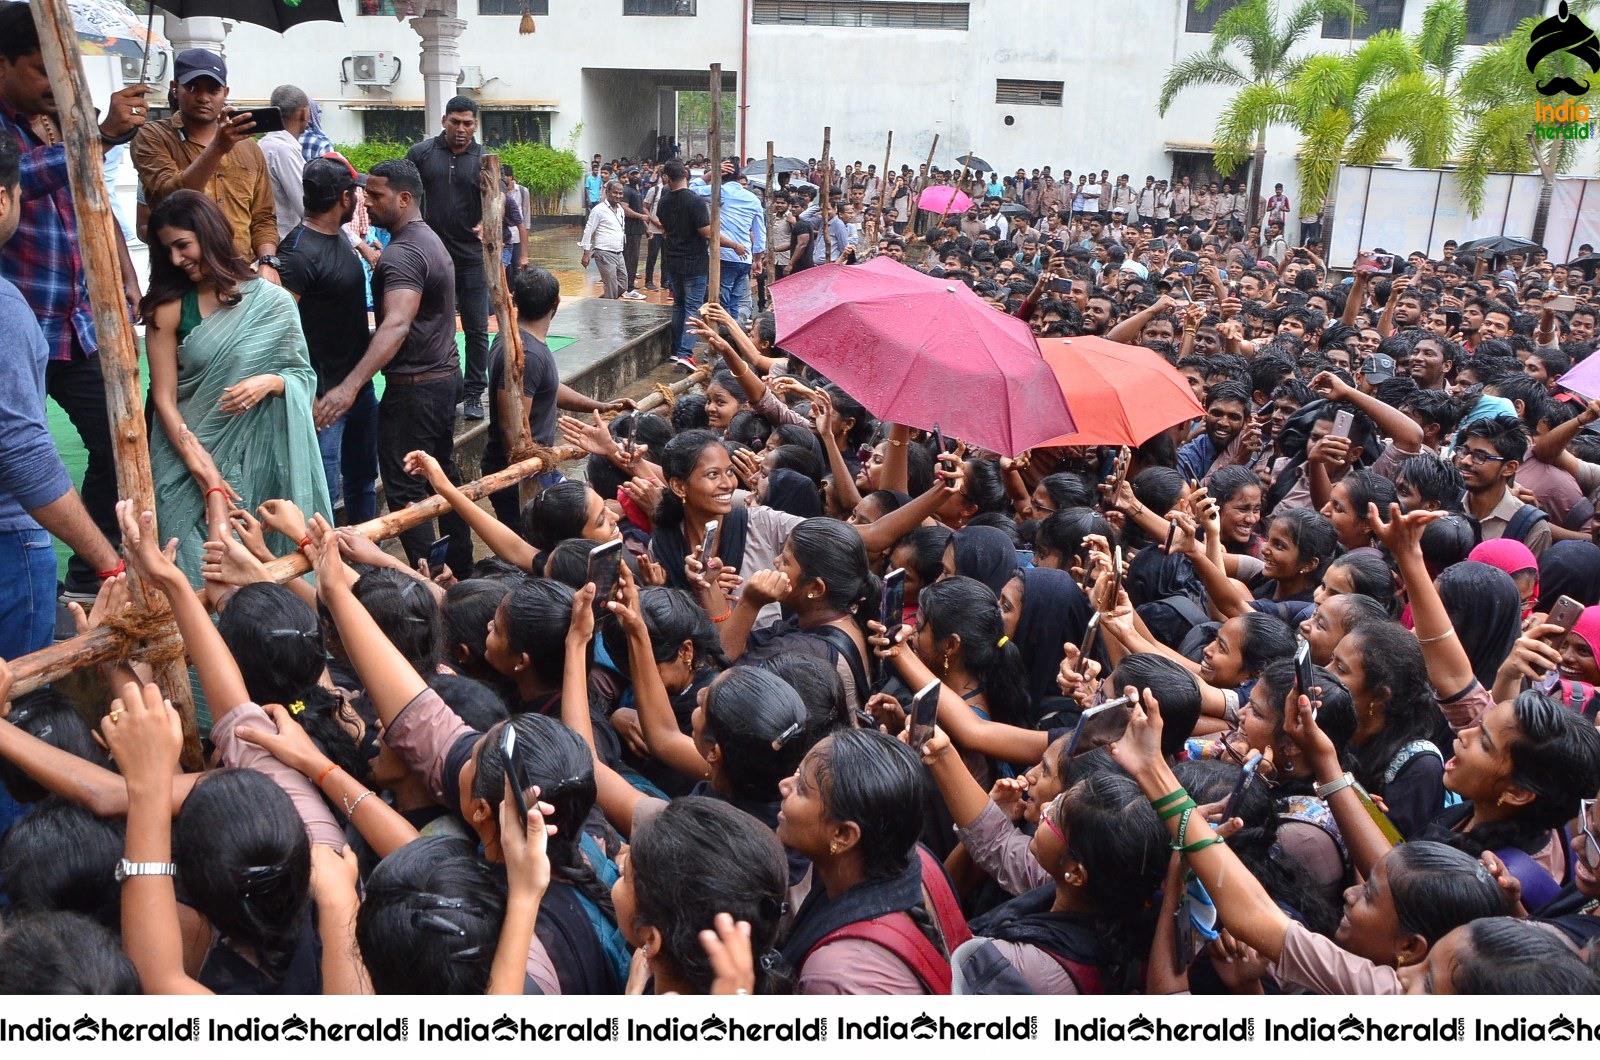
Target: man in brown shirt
[204, 149]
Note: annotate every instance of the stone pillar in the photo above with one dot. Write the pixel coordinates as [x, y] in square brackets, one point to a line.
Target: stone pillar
[440, 64]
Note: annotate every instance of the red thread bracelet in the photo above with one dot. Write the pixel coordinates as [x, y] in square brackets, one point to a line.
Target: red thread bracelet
[218, 489]
[305, 543]
[324, 775]
[121, 566]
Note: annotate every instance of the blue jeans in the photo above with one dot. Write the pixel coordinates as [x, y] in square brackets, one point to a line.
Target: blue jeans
[735, 289]
[27, 592]
[350, 457]
[686, 291]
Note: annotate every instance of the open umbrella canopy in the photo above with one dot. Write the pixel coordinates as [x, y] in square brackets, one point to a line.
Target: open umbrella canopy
[942, 198]
[974, 162]
[760, 183]
[1015, 209]
[276, 15]
[1496, 245]
[1586, 265]
[108, 27]
[1118, 394]
[922, 351]
[780, 164]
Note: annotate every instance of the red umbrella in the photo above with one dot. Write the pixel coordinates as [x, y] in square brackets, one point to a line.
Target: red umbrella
[1119, 394]
[942, 198]
[922, 351]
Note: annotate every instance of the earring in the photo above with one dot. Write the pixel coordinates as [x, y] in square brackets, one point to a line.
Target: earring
[833, 848]
[946, 664]
[1501, 801]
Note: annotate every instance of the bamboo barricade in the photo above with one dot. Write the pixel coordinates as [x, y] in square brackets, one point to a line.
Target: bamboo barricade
[883, 182]
[825, 195]
[769, 266]
[118, 352]
[505, 314]
[714, 175]
[916, 208]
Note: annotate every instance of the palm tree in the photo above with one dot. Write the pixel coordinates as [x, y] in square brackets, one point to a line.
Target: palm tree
[1498, 95]
[1264, 36]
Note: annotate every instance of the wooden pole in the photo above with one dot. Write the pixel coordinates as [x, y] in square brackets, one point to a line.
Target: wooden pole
[825, 194]
[714, 175]
[769, 266]
[916, 210]
[118, 352]
[505, 315]
[883, 181]
[695, 378]
[106, 644]
[951, 201]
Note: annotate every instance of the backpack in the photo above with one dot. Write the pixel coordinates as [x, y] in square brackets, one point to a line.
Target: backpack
[1171, 618]
[1518, 526]
[977, 967]
[899, 934]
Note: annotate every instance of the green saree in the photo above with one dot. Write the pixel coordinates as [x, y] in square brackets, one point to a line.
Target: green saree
[267, 452]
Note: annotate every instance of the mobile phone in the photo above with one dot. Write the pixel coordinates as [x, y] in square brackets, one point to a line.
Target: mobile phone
[1452, 318]
[633, 433]
[605, 566]
[1189, 268]
[267, 119]
[1116, 574]
[1342, 422]
[508, 762]
[1563, 303]
[1061, 286]
[708, 546]
[1303, 669]
[1383, 262]
[1247, 777]
[437, 553]
[1100, 708]
[938, 444]
[1172, 534]
[893, 603]
[1124, 458]
[1196, 924]
[924, 713]
[1091, 633]
[1565, 613]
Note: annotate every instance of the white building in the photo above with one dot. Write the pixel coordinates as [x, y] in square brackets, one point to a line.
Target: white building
[1020, 83]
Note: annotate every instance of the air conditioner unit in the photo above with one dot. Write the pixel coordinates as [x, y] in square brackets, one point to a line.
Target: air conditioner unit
[372, 68]
[470, 78]
[150, 70]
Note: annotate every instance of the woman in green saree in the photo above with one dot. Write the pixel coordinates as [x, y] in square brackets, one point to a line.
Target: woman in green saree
[228, 365]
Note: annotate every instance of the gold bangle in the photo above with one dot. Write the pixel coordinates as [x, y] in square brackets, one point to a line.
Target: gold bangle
[1446, 635]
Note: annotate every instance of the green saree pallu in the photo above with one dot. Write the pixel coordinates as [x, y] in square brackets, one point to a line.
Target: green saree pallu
[266, 452]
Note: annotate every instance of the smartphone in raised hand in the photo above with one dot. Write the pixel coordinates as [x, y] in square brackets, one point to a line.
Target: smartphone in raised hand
[708, 546]
[924, 714]
[605, 567]
[892, 605]
[508, 762]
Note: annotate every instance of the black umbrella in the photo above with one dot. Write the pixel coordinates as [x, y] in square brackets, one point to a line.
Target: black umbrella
[277, 15]
[1497, 246]
[780, 163]
[1586, 265]
[975, 163]
[1012, 209]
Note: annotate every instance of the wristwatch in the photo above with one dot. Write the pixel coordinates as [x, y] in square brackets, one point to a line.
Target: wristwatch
[126, 869]
[270, 261]
[1324, 790]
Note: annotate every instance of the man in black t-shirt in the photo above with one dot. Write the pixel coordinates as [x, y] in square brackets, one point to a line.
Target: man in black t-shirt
[687, 221]
[323, 272]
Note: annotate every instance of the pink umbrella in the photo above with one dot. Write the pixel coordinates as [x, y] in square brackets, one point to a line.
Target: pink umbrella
[942, 198]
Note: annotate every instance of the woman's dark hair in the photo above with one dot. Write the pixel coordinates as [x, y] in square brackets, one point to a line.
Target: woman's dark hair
[1521, 958]
[849, 408]
[603, 476]
[1312, 535]
[671, 616]
[1266, 638]
[1225, 482]
[678, 460]
[749, 429]
[1068, 489]
[473, 701]
[404, 608]
[795, 434]
[819, 686]
[63, 953]
[1437, 888]
[1391, 661]
[689, 413]
[654, 431]
[245, 863]
[1336, 716]
[1365, 487]
[469, 606]
[919, 470]
[538, 613]
[1485, 609]
[1062, 534]
[926, 545]
[796, 458]
[430, 920]
[61, 857]
[556, 513]
[276, 640]
[967, 608]
[568, 562]
[221, 265]
[557, 761]
[984, 487]
[1370, 576]
[700, 857]
[1555, 756]
[1175, 688]
[834, 552]
[49, 716]
[1449, 540]
[726, 381]
[748, 711]
[888, 500]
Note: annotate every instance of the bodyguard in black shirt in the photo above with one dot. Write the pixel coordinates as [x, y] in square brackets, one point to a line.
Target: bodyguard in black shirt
[453, 207]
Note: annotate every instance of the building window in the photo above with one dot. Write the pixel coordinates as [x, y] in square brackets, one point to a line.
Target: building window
[513, 7]
[1381, 15]
[1492, 20]
[397, 126]
[683, 8]
[392, 8]
[870, 14]
[1197, 21]
[1028, 93]
[497, 128]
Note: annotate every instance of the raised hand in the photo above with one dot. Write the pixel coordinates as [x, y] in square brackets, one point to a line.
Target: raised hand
[1402, 532]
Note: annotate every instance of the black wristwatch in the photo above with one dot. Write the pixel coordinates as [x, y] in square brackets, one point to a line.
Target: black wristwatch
[270, 261]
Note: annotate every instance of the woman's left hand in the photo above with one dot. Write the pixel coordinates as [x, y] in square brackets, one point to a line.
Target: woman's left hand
[250, 531]
[334, 874]
[290, 744]
[144, 735]
[580, 628]
[1139, 746]
[139, 545]
[247, 394]
[525, 845]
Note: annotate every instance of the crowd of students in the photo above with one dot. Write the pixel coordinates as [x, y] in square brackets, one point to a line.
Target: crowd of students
[1295, 697]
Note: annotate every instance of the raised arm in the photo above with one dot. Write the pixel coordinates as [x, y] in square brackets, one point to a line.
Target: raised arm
[1449, 669]
[501, 539]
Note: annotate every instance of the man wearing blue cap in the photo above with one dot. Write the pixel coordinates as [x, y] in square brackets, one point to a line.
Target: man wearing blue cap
[207, 148]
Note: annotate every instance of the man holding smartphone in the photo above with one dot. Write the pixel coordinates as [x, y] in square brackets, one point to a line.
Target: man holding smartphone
[207, 148]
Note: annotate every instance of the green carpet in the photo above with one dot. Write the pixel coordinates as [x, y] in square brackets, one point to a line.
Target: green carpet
[76, 459]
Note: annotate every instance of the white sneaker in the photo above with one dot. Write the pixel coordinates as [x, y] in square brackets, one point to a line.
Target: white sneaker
[633, 296]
